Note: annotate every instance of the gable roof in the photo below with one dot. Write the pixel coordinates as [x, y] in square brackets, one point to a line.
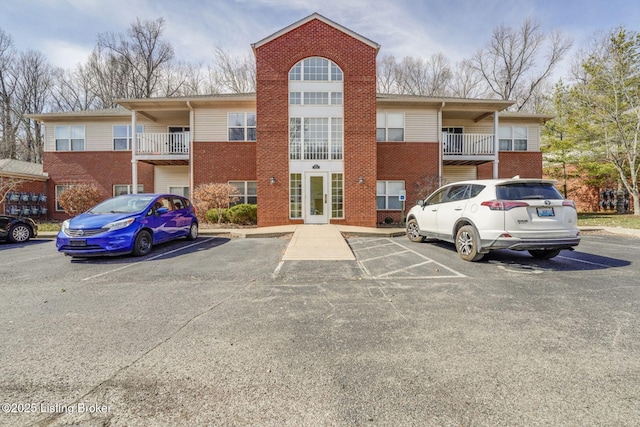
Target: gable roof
[310, 18]
[20, 169]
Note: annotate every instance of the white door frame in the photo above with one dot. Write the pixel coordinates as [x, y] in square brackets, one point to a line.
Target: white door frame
[317, 201]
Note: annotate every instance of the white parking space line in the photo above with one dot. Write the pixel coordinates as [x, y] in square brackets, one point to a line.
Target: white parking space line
[380, 246]
[277, 270]
[455, 272]
[585, 261]
[383, 256]
[114, 270]
[389, 274]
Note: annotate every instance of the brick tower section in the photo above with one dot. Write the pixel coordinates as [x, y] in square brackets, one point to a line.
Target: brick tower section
[357, 60]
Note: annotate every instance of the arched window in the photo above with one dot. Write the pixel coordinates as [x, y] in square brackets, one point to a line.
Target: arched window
[315, 69]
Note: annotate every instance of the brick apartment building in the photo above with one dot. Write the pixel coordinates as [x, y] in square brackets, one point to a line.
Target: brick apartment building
[314, 144]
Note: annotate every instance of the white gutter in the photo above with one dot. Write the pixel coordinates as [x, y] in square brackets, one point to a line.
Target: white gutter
[191, 130]
[134, 160]
[496, 145]
[440, 143]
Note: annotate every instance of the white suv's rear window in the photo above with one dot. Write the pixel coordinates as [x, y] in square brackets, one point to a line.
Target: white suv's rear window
[527, 190]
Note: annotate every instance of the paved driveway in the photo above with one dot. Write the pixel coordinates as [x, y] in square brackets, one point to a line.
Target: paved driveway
[222, 332]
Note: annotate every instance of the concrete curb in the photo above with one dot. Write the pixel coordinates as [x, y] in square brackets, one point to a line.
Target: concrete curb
[284, 230]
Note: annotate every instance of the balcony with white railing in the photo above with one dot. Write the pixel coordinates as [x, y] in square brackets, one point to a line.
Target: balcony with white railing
[162, 146]
[468, 147]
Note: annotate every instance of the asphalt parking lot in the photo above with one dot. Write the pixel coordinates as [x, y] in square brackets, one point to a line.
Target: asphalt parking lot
[221, 331]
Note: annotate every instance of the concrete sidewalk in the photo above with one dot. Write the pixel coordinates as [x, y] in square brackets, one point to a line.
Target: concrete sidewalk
[322, 242]
[318, 242]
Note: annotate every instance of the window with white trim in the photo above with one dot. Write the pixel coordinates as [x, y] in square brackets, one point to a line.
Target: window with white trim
[513, 138]
[247, 192]
[295, 196]
[59, 190]
[242, 126]
[337, 199]
[122, 136]
[69, 138]
[315, 98]
[390, 127]
[179, 190]
[315, 69]
[120, 189]
[295, 98]
[315, 138]
[388, 195]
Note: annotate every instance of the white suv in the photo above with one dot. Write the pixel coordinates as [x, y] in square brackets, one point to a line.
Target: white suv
[482, 215]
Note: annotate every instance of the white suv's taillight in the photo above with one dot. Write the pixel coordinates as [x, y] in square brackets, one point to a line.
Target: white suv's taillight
[503, 205]
[569, 203]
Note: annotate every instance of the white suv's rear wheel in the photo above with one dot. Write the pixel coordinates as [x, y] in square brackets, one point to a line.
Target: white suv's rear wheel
[467, 244]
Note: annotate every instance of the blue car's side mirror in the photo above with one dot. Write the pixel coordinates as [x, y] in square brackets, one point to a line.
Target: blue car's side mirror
[162, 210]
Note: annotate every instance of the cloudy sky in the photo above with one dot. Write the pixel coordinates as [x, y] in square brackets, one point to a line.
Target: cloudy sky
[66, 30]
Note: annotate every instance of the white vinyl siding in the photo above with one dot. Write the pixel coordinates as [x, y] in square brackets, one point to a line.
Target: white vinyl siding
[421, 126]
[210, 125]
[533, 141]
[458, 173]
[98, 135]
[165, 177]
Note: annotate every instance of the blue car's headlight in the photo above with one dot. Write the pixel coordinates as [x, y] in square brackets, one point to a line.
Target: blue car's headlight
[117, 225]
[65, 226]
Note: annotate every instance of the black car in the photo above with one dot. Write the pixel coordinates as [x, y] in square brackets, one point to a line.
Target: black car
[17, 229]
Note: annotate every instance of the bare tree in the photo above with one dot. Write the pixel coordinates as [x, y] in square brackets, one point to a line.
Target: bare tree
[74, 90]
[386, 70]
[416, 76]
[8, 185]
[182, 79]
[232, 74]
[34, 84]
[142, 53]
[466, 82]
[516, 62]
[8, 125]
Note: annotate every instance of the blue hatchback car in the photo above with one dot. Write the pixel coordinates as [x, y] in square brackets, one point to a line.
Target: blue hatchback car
[131, 223]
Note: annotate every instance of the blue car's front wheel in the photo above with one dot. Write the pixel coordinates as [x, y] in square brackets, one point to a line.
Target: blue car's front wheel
[142, 244]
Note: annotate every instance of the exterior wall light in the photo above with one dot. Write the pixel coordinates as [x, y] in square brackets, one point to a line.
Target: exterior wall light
[272, 180]
[361, 180]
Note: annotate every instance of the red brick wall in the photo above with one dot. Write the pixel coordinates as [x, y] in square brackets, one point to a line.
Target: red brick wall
[410, 162]
[220, 162]
[358, 63]
[525, 164]
[102, 168]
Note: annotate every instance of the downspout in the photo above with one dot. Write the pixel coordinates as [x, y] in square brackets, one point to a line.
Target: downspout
[191, 130]
[440, 143]
[134, 160]
[496, 145]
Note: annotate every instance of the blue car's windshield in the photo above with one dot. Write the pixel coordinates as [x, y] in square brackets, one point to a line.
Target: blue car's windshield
[124, 204]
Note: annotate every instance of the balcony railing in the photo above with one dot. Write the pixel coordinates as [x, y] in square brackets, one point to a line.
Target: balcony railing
[167, 144]
[468, 144]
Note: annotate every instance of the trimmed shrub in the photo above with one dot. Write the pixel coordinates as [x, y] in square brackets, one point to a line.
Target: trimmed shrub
[243, 214]
[213, 196]
[213, 216]
[79, 198]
